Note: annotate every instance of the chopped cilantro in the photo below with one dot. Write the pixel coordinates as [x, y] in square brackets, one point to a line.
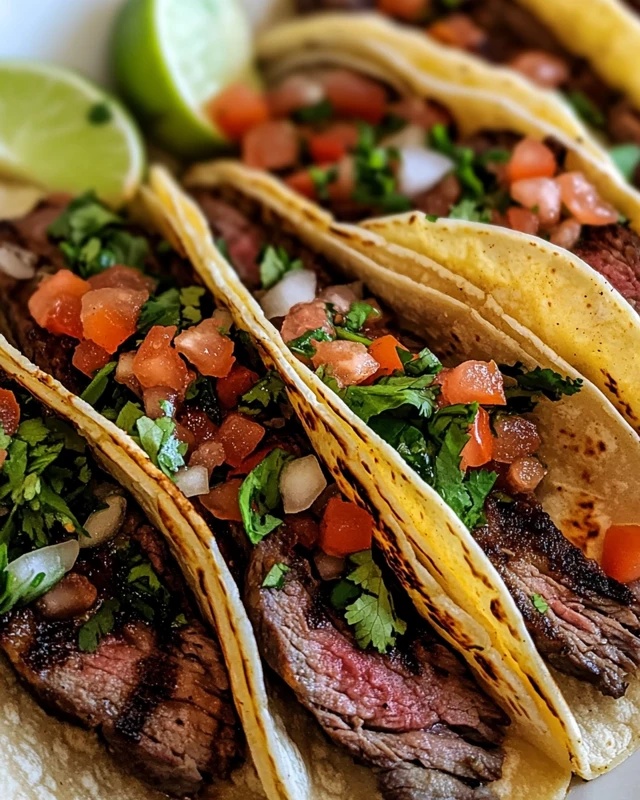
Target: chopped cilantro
[586, 109]
[316, 113]
[190, 298]
[470, 210]
[463, 157]
[158, 439]
[375, 180]
[391, 393]
[275, 263]
[532, 384]
[539, 603]
[322, 178]
[425, 363]
[431, 217]
[358, 315]
[128, 415]
[99, 384]
[98, 626]
[260, 494]
[626, 157]
[223, 248]
[495, 155]
[161, 309]
[343, 333]
[409, 442]
[274, 579]
[368, 607]
[267, 390]
[304, 345]
[99, 114]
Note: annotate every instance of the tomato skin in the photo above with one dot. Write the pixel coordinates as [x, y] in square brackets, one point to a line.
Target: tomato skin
[473, 382]
[122, 277]
[237, 109]
[302, 183]
[109, 316]
[89, 357]
[207, 349]
[581, 197]
[543, 194]
[157, 363]
[354, 96]
[531, 159]
[621, 553]
[385, 352]
[523, 220]
[251, 461]
[478, 450]
[198, 424]
[234, 385]
[515, 438]
[239, 435]
[57, 302]
[348, 362]
[345, 528]
[333, 143]
[222, 501]
[209, 455]
[9, 412]
[271, 145]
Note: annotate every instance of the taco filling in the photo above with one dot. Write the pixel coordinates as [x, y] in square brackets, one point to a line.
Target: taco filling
[96, 617]
[329, 617]
[354, 145]
[506, 33]
[467, 429]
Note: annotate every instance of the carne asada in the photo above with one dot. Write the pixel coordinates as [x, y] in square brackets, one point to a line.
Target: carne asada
[96, 618]
[507, 33]
[173, 371]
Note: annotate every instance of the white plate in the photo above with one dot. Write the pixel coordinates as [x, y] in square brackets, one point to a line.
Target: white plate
[76, 33]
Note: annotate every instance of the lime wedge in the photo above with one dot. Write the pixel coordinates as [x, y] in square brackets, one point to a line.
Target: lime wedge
[63, 133]
[171, 57]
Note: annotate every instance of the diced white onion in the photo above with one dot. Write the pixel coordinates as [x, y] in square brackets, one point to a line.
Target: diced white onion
[298, 286]
[53, 562]
[421, 170]
[16, 262]
[301, 482]
[329, 567]
[193, 481]
[409, 136]
[104, 523]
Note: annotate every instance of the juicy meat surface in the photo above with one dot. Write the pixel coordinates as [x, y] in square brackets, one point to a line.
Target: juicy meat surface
[416, 706]
[614, 251]
[590, 627]
[160, 698]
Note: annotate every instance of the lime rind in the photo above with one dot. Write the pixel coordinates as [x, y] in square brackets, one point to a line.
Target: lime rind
[46, 137]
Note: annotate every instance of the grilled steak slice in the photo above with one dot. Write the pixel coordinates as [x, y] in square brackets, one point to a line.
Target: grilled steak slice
[409, 782]
[589, 628]
[415, 706]
[159, 697]
[614, 251]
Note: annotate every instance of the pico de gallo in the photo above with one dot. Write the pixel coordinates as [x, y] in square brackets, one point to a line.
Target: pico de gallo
[507, 33]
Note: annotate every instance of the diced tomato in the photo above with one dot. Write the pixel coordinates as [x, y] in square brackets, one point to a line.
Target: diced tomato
[271, 145]
[239, 435]
[207, 349]
[566, 234]
[477, 451]
[542, 68]
[89, 357]
[200, 425]
[409, 10]
[583, 201]
[302, 182]
[354, 96]
[187, 437]
[222, 501]
[531, 159]
[345, 528]
[3, 457]
[385, 352]
[305, 317]
[154, 400]
[234, 385]
[294, 92]
[515, 438]
[473, 382]
[304, 528]
[458, 30]
[121, 277]
[621, 554]
[124, 373]
[57, 302]
[9, 412]
[252, 461]
[341, 296]
[342, 187]
[543, 194]
[525, 474]
[333, 143]
[237, 109]
[209, 455]
[157, 363]
[110, 316]
[420, 112]
[223, 320]
[523, 220]
[349, 363]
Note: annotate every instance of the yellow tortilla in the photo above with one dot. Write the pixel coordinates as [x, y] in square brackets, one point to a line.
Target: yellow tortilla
[406, 505]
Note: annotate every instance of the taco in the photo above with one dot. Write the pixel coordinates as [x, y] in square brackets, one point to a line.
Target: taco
[484, 467]
[551, 56]
[461, 154]
[330, 619]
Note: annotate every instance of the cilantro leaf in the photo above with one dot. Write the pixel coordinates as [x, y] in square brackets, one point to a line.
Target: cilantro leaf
[372, 615]
[358, 315]
[260, 494]
[99, 384]
[267, 390]
[274, 579]
[32, 431]
[463, 157]
[391, 393]
[539, 603]
[161, 309]
[304, 345]
[470, 210]
[128, 415]
[158, 439]
[343, 333]
[317, 112]
[532, 384]
[190, 297]
[98, 626]
[425, 363]
[376, 184]
[586, 109]
[275, 264]
[322, 178]
[409, 441]
[626, 157]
